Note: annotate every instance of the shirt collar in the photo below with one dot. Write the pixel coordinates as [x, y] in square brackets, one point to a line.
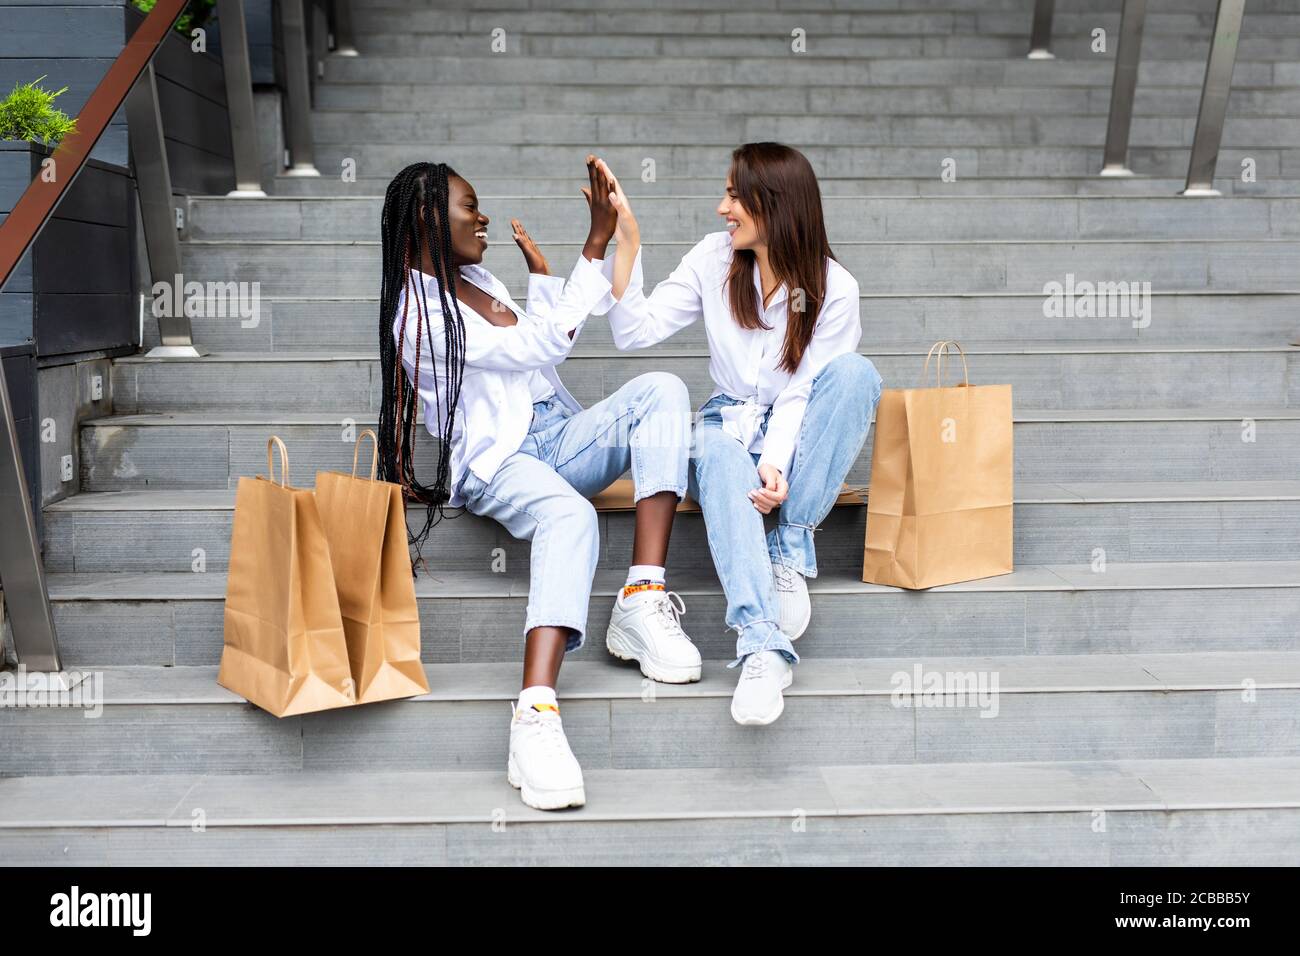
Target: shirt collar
[778, 296]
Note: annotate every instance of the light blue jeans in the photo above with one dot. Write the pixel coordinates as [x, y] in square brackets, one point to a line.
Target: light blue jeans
[843, 399]
[540, 492]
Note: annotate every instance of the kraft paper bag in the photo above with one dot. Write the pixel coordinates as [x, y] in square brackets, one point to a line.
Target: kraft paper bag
[285, 648]
[940, 506]
[365, 524]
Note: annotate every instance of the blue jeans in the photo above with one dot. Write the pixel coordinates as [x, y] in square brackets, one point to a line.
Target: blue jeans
[540, 492]
[843, 398]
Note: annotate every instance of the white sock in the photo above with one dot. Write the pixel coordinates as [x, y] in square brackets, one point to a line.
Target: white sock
[537, 694]
[645, 572]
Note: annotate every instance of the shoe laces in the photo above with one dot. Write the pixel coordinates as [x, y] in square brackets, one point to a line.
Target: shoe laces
[670, 607]
[755, 666]
[546, 729]
[784, 577]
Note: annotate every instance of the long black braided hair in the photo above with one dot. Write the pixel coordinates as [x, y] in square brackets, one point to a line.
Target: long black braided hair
[419, 188]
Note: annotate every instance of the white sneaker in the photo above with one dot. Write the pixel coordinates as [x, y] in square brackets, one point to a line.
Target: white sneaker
[645, 628]
[792, 596]
[758, 699]
[541, 765]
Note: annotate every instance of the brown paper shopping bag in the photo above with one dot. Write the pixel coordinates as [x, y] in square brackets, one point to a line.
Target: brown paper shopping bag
[939, 507]
[365, 523]
[284, 643]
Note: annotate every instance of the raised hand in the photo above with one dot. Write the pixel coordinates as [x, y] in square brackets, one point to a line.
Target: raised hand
[533, 257]
[604, 216]
[628, 230]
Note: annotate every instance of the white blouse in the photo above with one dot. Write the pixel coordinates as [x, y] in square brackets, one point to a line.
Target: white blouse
[744, 363]
[507, 368]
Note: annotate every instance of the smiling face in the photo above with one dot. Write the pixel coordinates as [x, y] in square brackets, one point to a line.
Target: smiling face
[468, 225]
[741, 224]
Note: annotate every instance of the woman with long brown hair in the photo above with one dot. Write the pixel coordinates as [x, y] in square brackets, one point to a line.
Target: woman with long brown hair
[792, 401]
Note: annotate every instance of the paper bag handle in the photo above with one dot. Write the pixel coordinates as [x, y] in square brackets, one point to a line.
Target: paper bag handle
[274, 442]
[939, 365]
[374, 458]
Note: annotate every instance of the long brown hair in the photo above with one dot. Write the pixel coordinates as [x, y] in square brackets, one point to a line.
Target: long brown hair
[777, 186]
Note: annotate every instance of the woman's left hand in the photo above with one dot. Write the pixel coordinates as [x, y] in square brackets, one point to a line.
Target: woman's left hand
[774, 491]
[533, 257]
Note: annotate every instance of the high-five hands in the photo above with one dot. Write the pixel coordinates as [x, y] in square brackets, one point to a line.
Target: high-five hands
[599, 193]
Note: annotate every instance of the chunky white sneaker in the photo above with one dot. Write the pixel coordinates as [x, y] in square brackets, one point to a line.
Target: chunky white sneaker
[758, 699]
[541, 765]
[792, 596]
[646, 628]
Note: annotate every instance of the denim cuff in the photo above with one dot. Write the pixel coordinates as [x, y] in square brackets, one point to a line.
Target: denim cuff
[574, 642]
[678, 490]
[792, 545]
[762, 636]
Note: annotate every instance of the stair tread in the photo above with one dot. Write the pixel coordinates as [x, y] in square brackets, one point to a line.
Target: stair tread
[982, 348]
[211, 585]
[1200, 413]
[1026, 492]
[606, 678]
[424, 797]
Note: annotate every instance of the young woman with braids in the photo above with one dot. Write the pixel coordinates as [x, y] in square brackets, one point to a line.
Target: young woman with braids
[792, 401]
[513, 445]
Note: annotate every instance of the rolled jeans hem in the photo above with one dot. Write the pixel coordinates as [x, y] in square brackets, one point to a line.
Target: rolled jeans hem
[798, 554]
[678, 490]
[774, 641]
[574, 642]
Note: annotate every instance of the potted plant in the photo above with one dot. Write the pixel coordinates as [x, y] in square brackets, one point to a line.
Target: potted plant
[72, 293]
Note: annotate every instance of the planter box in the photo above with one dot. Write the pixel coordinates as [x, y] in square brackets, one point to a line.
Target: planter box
[73, 291]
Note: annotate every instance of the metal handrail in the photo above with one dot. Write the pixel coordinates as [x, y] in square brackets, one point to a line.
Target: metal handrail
[22, 571]
[1215, 88]
[1214, 99]
[1120, 116]
[1040, 34]
[297, 88]
[238, 74]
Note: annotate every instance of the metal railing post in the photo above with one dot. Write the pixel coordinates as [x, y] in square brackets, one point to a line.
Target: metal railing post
[22, 571]
[1214, 99]
[345, 43]
[239, 99]
[1128, 56]
[1040, 35]
[297, 84]
[157, 214]
[318, 35]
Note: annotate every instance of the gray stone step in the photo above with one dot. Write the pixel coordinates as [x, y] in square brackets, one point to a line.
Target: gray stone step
[1041, 708]
[476, 616]
[536, 187]
[786, 69]
[1195, 812]
[1043, 377]
[847, 218]
[1026, 160]
[486, 128]
[289, 325]
[820, 41]
[198, 450]
[416, 19]
[732, 7]
[323, 268]
[827, 100]
[1054, 524]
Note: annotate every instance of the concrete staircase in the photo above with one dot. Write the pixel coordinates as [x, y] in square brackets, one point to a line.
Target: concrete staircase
[1146, 649]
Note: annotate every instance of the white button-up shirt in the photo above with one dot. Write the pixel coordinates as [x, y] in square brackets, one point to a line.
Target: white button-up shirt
[744, 363]
[507, 368]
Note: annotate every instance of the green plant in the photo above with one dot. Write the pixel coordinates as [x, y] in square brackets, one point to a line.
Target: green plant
[197, 13]
[29, 113]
